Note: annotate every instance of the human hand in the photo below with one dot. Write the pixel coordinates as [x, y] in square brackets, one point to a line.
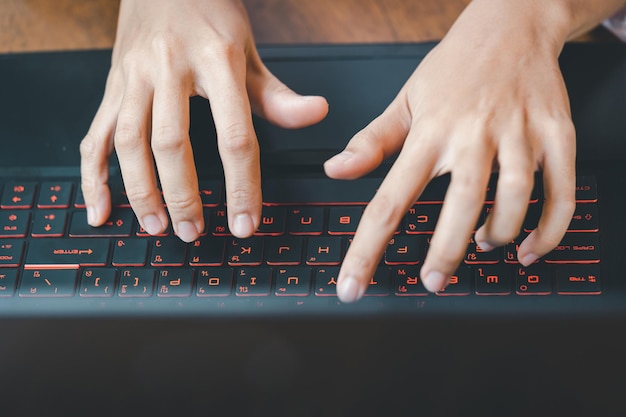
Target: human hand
[484, 98]
[165, 52]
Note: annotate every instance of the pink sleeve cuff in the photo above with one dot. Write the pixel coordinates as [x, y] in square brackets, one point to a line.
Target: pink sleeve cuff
[617, 24]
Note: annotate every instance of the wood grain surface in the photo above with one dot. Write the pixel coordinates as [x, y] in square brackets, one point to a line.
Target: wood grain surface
[44, 25]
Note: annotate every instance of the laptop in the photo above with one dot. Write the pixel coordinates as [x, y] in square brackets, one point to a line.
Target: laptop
[200, 312]
[52, 262]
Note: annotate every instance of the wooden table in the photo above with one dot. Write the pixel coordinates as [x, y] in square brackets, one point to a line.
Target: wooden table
[44, 25]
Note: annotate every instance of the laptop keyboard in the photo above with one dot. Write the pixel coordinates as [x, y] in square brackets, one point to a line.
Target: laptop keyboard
[48, 252]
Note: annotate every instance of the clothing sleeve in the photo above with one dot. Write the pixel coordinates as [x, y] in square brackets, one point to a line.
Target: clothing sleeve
[617, 24]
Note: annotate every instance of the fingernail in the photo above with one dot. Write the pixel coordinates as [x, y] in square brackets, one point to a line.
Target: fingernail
[242, 225]
[187, 231]
[484, 246]
[349, 290]
[435, 281]
[152, 224]
[340, 158]
[91, 215]
[529, 259]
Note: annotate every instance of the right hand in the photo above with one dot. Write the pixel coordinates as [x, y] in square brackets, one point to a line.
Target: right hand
[166, 52]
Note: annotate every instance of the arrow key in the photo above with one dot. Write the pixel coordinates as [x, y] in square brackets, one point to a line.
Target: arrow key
[19, 195]
[49, 223]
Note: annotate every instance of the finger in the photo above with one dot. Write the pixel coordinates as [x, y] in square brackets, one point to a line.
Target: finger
[381, 217]
[515, 184]
[237, 143]
[463, 203]
[559, 181]
[379, 140]
[95, 150]
[174, 157]
[274, 101]
[135, 157]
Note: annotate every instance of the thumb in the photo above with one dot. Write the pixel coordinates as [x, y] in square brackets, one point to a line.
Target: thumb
[379, 140]
[274, 101]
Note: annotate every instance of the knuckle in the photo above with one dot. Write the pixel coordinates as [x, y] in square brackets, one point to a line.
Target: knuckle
[560, 129]
[128, 135]
[139, 198]
[165, 45]
[130, 63]
[168, 139]
[90, 146]
[240, 197]
[179, 202]
[225, 51]
[520, 180]
[236, 139]
[88, 187]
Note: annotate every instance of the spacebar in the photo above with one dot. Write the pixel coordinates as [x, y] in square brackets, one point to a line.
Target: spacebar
[66, 253]
[295, 191]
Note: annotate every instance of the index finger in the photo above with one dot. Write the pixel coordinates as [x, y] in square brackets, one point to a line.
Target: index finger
[381, 217]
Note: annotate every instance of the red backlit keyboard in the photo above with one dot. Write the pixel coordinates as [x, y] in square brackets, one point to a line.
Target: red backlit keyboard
[50, 258]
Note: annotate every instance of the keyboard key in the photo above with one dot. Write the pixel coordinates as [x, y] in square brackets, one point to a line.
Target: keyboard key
[48, 283]
[11, 252]
[578, 280]
[285, 250]
[293, 282]
[533, 280]
[130, 252]
[175, 282]
[511, 248]
[97, 282]
[218, 225]
[168, 252]
[49, 223]
[214, 282]
[272, 221]
[459, 283]
[18, 195]
[207, 251]
[120, 224]
[493, 280]
[253, 282]
[405, 250]
[8, 280]
[422, 219]
[248, 252]
[66, 253]
[344, 220]
[576, 248]
[14, 223]
[136, 282]
[326, 281]
[379, 284]
[306, 221]
[323, 250]
[476, 256]
[55, 195]
[407, 282]
[586, 189]
[585, 219]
